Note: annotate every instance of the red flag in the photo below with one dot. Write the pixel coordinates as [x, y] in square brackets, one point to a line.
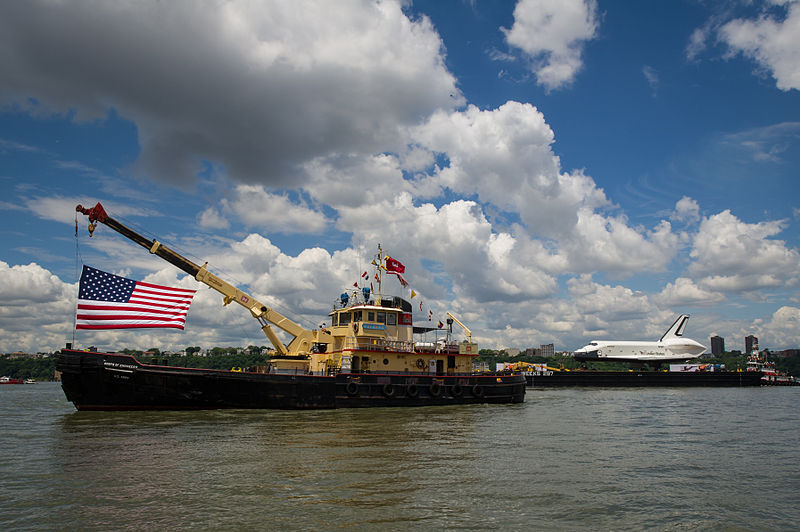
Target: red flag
[393, 265]
[364, 274]
[355, 284]
[108, 301]
[400, 278]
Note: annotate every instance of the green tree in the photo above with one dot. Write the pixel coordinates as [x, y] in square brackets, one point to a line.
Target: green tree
[41, 369]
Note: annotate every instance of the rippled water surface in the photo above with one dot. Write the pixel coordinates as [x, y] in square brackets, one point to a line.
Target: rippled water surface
[666, 459]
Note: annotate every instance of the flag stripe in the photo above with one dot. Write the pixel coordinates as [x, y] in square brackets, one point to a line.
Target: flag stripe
[133, 318]
[170, 289]
[153, 307]
[150, 300]
[155, 293]
[129, 325]
[95, 314]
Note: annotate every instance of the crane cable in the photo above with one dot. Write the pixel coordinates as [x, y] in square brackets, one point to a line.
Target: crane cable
[78, 262]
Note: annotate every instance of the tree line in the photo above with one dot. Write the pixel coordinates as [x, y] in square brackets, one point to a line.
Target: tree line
[43, 369]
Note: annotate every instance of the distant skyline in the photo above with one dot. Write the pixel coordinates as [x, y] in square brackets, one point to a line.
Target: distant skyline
[547, 170]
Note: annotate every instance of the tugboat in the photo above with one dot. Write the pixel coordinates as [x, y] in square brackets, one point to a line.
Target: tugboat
[769, 375]
[366, 358]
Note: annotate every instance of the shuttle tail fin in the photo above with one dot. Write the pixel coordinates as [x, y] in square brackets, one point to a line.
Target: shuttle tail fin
[677, 328]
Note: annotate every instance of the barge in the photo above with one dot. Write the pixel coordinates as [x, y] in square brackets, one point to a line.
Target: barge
[640, 378]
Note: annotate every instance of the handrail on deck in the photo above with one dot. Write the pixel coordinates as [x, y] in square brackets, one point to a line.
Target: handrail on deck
[362, 343]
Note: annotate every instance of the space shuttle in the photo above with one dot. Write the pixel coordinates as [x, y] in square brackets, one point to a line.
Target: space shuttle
[672, 347]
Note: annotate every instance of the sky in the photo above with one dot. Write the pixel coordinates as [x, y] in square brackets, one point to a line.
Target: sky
[549, 171]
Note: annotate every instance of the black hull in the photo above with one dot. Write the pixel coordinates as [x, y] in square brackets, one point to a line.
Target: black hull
[104, 381]
[645, 378]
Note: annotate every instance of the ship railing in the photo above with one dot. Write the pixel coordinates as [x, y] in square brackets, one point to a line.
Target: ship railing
[444, 349]
[378, 344]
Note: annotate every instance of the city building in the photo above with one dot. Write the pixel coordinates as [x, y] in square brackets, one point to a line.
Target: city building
[717, 345]
[547, 350]
[750, 344]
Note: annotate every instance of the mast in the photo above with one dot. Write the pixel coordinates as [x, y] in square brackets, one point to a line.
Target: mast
[303, 339]
[380, 271]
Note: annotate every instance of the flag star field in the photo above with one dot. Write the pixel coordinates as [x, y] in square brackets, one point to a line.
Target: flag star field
[549, 171]
[102, 286]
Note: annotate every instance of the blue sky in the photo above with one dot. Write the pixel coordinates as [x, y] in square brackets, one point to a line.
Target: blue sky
[548, 171]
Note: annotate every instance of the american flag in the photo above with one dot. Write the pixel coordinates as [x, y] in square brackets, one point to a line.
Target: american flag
[108, 301]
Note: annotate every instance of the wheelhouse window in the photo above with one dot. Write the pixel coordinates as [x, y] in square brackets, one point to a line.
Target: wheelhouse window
[371, 316]
[334, 320]
[344, 318]
[391, 318]
[381, 317]
[357, 315]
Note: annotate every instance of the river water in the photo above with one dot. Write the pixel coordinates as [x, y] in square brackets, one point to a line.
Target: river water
[566, 459]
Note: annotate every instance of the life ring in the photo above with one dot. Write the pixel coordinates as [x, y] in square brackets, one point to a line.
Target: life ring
[435, 389]
[477, 390]
[420, 363]
[388, 390]
[355, 328]
[456, 390]
[352, 388]
[411, 390]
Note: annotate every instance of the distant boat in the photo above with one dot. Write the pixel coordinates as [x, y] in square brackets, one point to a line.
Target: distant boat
[30, 381]
[770, 375]
[9, 380]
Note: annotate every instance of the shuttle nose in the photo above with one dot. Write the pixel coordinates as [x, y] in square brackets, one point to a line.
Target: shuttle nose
[586, 351]
[689, 347]
[699, 346]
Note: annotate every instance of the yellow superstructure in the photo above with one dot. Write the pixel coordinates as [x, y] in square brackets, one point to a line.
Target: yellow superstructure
[376, 336]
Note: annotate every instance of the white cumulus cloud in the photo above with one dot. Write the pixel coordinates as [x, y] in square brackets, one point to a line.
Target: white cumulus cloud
[774, 43]
[552, 34]
[730, 255]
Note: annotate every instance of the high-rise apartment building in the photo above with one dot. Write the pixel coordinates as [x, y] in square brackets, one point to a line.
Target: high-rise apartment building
[750, 344]
[717, 345]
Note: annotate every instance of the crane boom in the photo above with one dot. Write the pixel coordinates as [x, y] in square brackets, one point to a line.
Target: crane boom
[466, 330]
[303, 339]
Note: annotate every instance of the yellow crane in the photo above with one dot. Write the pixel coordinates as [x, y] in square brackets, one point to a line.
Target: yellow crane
[466, 330]
[303, 340]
